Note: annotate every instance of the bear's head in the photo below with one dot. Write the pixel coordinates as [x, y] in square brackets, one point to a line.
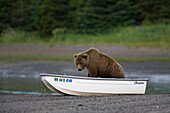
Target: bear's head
[81, 60]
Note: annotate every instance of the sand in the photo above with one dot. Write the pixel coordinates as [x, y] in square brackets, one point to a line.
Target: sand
[153, 103]
[120, 51]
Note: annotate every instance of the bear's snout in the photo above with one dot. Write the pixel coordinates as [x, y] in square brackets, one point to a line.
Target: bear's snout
[79, 69]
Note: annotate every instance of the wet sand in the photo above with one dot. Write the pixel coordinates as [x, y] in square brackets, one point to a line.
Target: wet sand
[120, 51]
[87, 104]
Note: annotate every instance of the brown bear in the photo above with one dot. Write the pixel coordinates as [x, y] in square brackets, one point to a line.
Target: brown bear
[98, 64]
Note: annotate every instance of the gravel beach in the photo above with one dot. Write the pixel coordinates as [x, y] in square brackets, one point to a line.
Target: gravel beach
[153, 103]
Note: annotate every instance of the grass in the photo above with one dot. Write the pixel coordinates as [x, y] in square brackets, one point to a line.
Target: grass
[35, 57]
[154, 36]
[157, 36]
[11, 36]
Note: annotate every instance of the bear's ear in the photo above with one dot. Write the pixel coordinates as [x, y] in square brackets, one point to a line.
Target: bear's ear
[85, 56]
[75, 55]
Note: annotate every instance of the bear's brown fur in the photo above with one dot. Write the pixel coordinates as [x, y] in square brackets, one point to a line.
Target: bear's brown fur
[98, 64]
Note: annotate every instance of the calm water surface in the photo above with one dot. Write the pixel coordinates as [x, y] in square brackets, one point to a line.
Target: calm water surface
[23, 77]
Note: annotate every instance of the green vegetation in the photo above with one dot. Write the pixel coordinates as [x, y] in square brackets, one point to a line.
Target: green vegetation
[36, 57]
[19, 37]
[53, 15]
[99, 16]
[152, 36]
[80, 16]
[156, 36]
[33, 57]
[135, 23]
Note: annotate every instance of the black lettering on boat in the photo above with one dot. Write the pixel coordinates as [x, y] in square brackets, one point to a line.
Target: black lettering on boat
[136, 82]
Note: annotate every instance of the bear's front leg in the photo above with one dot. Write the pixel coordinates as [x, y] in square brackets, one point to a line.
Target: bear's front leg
[93, 73]
[89, 73]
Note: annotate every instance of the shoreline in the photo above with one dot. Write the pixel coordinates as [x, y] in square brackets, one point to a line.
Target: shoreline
[120, 51]
[156, 103]
[16, 53]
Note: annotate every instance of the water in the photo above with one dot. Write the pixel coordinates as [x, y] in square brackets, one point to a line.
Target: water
[23, 77]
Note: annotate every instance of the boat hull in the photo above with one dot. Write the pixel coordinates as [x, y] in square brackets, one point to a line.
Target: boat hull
[72, 85]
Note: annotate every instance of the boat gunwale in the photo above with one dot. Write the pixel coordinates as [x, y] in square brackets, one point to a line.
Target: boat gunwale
[93, 78]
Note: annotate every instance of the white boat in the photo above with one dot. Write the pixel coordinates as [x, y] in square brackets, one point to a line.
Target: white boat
[76, 85]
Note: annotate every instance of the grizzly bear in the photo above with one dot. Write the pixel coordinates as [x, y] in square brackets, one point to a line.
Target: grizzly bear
[98, 64]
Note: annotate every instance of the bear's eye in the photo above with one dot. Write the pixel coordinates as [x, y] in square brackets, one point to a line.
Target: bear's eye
[80, 63]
